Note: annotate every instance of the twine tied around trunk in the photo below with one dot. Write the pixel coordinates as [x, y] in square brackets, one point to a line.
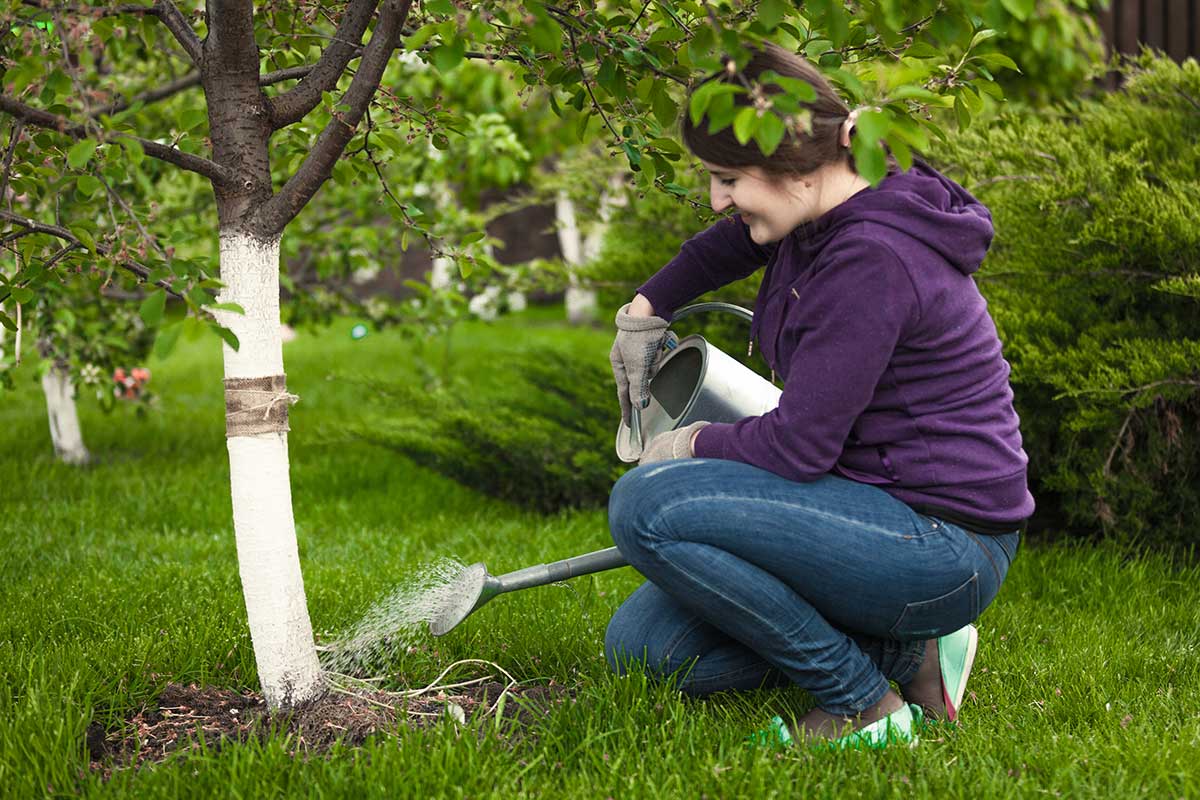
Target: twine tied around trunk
[257, 405]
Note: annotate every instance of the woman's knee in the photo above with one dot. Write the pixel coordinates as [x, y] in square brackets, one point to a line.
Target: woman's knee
[630, 507]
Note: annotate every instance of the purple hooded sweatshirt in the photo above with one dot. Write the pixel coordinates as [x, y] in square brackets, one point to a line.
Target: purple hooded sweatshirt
[894, 375]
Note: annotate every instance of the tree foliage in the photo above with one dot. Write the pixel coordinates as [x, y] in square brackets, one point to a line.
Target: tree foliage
[105, 93]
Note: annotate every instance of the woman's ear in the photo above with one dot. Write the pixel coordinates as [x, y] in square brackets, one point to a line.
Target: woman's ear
[847, 126]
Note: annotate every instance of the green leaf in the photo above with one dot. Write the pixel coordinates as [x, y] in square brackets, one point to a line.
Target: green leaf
[228, 336]
[772, 12]
[231, 307]
[88, 184]
[7, 322]
[22, 294]
[745, 124]
[770, 133]
[634, 156]
[438, 7]
[998, 60]
[910, 92]
[871, 126]
[981, 36]
[703, 97]
[421, 36]
[85, 238]
[168, 335]
[972, 101]
[472, 238]
[1021, 9]
[961, 113]
[545, 34]
[800, 89]
[446, 57]
[901, 151]
[664, 107]
[869, 160]
[667, 34]
[152, 308]
[923, 50]
[192, 118]
[721, 112]
[81, 153]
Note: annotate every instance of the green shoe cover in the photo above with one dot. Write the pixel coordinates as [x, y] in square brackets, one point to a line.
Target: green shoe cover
[775, 736]
[898, 727]
[956, 655]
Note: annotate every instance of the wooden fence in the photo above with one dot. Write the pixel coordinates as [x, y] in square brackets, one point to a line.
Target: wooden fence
[1172, 26]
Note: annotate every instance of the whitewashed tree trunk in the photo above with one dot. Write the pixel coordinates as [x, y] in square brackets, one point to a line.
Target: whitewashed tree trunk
[580, 302]
[443, 268]
[268, 559]
[65, 433]
[578, 250]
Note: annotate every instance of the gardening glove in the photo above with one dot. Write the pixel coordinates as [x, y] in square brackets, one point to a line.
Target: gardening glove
[635, 353]
[672, 444]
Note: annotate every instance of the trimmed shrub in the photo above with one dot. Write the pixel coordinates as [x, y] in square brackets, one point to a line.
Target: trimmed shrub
[1093, 280]
[547, 447]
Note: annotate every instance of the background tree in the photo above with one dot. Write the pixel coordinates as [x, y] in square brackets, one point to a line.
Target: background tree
[264, 153]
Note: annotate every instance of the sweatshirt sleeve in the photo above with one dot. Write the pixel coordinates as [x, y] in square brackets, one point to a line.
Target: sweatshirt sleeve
[846, 323]
[718, 255]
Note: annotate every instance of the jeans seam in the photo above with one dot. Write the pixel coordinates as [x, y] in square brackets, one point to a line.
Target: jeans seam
[825, 515]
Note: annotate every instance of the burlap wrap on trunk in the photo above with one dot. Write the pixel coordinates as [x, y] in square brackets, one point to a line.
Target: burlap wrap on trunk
[257, 405]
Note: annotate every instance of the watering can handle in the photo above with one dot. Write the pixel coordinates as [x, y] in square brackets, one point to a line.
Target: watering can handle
[698, 308]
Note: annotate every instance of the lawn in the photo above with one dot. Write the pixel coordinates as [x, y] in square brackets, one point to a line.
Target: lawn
[121, 577]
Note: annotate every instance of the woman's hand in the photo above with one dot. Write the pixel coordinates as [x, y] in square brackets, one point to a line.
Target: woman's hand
[672, 444]
[635, 351]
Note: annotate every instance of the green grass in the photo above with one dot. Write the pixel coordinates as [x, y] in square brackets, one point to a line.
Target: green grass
[120, 577]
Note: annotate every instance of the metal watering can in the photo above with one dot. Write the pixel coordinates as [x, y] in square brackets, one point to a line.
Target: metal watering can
[695, 381]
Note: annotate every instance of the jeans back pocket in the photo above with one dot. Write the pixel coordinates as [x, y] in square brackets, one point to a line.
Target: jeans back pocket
[947, 613]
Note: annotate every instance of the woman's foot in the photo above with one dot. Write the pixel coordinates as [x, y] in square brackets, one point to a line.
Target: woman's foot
[818, 725]
[890, 721]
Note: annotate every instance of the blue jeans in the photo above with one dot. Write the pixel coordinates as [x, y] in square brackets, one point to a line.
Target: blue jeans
[754, 580]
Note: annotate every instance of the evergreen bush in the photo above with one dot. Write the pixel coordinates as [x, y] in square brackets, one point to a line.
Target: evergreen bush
[548, 446]
[1093, 280]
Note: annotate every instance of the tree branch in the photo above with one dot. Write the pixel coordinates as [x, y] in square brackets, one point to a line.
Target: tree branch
[281, 209]
[44, 119]
[193, 79]
[166, 11]
[294, 104]
[140, 270]
[14, 136]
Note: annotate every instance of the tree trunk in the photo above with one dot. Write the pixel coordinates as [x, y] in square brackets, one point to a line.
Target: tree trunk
[580, 302]
[268, 558]
[64, 422]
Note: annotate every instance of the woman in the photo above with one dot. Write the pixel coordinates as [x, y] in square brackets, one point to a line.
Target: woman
[850, 537]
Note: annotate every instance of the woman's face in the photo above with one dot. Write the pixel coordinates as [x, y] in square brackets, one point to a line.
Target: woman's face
[772, 206]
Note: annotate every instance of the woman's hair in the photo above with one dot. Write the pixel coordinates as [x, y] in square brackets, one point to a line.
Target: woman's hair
[800, 152]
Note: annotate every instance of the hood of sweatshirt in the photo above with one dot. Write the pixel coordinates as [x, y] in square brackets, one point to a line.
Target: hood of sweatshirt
[922, 204]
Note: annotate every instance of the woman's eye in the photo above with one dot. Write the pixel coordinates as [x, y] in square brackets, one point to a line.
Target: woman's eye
[728, 181]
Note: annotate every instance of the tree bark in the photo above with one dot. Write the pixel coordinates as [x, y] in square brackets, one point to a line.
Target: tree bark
[65, 433]
[260, 484]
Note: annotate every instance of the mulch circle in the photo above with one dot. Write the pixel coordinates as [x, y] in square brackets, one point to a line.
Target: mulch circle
[188, 718]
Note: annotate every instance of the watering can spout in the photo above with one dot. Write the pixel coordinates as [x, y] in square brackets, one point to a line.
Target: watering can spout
[474, 587]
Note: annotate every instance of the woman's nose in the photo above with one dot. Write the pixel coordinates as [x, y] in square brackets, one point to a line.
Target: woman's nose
[718, 199]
